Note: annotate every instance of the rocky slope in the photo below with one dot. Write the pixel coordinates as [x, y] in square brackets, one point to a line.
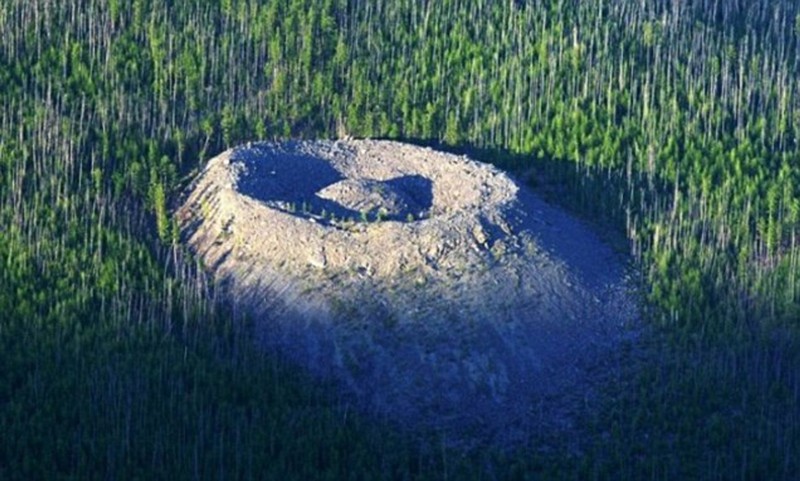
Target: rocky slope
[434, 290]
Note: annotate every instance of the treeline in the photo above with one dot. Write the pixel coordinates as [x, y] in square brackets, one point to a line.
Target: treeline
[675, 122]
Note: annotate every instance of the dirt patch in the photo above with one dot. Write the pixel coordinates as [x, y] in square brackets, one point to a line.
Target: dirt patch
[432, 288]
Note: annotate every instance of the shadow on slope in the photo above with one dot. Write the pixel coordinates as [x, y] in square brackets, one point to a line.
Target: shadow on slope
[307, 186]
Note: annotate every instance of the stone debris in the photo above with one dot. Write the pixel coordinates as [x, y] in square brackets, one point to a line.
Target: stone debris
[432, 288]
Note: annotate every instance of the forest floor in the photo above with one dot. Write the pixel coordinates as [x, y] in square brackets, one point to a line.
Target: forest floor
[434, 290]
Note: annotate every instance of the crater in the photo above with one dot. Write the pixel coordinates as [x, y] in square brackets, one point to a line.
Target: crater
[432, 289]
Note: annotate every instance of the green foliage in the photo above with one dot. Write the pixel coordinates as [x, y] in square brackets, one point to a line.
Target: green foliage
[676, 123]
[160, 206]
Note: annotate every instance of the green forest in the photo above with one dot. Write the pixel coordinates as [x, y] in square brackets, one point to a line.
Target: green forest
[673, 125]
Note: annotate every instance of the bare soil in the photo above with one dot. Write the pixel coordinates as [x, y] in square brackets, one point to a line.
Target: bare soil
[433, 289]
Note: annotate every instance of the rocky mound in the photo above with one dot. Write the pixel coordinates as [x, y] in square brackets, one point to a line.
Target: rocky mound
[375, 199]
[432, 288]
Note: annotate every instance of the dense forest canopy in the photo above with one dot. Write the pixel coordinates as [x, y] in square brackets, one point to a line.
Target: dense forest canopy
[675, 122]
